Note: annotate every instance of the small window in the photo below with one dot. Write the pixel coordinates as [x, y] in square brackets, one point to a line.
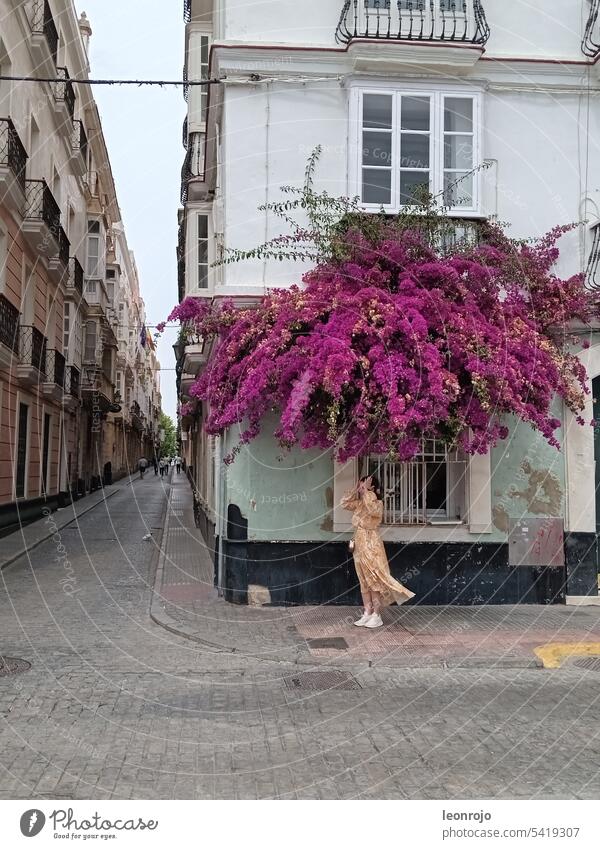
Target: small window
[111, 274]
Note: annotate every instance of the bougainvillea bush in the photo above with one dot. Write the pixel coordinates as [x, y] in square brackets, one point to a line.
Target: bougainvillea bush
[394, 337]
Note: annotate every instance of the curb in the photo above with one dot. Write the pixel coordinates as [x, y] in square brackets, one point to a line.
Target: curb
[59, 524]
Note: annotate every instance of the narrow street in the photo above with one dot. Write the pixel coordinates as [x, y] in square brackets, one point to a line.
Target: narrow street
[116, 706]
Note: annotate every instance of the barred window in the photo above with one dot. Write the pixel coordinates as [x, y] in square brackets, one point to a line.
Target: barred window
[428, 489]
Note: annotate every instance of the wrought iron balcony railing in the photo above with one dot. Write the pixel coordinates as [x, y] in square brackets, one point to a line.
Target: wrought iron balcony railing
[80, 139]
[64, 247]
[41, 206]
[32, 348]
[187, 11]
[12, 152]
[64, 91]
[184, 133]
[72, 381]
[55, 367]
[9, 325]
[42, 22]
[75, 279]
[414, 20]
[591, 38]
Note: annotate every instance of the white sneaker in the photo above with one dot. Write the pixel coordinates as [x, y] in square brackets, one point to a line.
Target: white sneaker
[374, 621]
[364, 618]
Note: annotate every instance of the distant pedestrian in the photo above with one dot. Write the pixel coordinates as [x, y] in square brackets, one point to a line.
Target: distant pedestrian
[143, 465]
[178, 464]
[155, 464]
[162, 467]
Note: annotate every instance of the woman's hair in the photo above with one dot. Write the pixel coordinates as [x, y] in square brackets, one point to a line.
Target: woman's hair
[375, 484]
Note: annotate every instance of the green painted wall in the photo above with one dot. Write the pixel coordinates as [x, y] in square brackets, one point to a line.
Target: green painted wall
[284, 495]
[289, 496]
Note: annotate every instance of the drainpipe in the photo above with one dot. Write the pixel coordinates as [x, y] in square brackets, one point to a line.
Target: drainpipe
[220, 523]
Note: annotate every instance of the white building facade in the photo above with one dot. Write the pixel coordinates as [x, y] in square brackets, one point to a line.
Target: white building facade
[397, 94]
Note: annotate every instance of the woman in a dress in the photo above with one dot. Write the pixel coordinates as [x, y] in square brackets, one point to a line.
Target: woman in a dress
[377, 586]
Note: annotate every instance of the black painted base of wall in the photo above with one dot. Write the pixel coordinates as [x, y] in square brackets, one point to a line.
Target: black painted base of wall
[452, 573]
[16, 515]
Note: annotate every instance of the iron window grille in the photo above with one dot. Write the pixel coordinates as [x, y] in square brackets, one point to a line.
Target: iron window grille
[426, 489]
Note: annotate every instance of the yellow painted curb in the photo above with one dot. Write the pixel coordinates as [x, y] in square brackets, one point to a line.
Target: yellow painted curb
[552, 655]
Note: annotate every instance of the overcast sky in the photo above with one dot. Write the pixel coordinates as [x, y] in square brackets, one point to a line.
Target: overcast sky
[143, 133]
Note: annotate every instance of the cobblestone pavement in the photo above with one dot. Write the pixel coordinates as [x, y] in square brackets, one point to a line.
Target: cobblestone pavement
[115, 706]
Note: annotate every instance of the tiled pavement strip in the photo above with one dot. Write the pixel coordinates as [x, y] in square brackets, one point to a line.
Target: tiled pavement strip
[186, 603]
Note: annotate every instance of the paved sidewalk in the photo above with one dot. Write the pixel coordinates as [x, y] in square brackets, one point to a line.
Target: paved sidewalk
[186, 603]
[28, 537]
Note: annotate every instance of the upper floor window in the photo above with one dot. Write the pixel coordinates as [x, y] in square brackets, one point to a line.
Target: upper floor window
[204, 57]
[412, 143]
[95, 259]
[203, 262]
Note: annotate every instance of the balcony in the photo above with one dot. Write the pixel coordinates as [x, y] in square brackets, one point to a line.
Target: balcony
[44, 37]
[54, 385]
[74, 283]
[70, 398]
[9, 333]
[58, 265]
[31, 369]
[195, 357]
[64, 98]
[590, 45]
[13, 163]
[192, 171]
[41, 222]
[79, 144]
[137, 417]
[415, 22]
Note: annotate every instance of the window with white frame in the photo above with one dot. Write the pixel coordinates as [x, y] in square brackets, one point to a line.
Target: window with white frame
[429, 489]
[94, 260]
[204, 58]
[203, 261]
[91, 337]
[414, 142]
[66, 328]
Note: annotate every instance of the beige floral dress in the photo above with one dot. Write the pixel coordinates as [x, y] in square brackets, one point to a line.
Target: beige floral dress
[370, 558]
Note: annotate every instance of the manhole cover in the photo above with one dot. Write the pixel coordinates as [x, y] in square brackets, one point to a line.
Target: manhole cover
[12, 665]
[331, 679]
[338, 643]
[591, 663]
